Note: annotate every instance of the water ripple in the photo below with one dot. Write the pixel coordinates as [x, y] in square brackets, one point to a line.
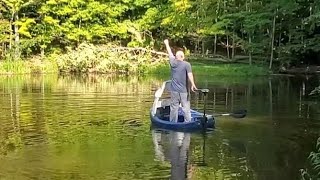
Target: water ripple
[99, 128]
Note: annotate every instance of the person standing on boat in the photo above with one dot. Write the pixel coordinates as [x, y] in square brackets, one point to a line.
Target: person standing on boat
[181, 72]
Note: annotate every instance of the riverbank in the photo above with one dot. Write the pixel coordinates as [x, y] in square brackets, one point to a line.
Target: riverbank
[46, 66]
[114, 59]
[33, 66]
[218, 69]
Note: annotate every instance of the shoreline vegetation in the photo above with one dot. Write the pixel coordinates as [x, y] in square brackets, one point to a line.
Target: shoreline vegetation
[111, 59]
[272, 35]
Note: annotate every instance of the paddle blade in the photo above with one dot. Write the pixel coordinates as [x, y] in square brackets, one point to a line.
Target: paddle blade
[204, 90]
[239, 113]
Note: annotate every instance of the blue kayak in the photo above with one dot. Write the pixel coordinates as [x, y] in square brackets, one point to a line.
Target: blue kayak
[160, 113]
[198, 122]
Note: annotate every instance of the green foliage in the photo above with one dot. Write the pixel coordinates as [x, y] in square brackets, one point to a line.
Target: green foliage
[223, 70]
[315, 92]
[243, 27]
[25, 24]
[11, 67]
[4, 24]
[314, 160]
[107, 59]
[35, 65]
[230, 70]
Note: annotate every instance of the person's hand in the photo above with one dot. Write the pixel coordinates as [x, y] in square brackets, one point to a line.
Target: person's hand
[166, 41]
[194, 88]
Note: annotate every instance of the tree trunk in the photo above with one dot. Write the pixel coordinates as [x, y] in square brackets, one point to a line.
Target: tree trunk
[198, 45]
[228, 51]
[79, 27]
[198, 40]
[233, 45]
[246, 6]
[250, 54]
[289, 41]
[10, 36]
[42, 52]
[272, 39]
[227, 90]
[215, 45]
[232, 98]
[302, 29]
[216, 36]
[203, 47]
[279, 44]
[3, 49]
[250, 38]
[16, 37]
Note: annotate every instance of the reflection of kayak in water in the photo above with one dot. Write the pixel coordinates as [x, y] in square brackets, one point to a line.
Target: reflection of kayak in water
[173, 147]
[160, 113]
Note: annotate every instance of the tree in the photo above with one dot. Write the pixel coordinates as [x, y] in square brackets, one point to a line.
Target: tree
[13, 7]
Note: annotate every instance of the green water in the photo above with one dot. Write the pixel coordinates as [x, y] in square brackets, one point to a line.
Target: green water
[98, 127]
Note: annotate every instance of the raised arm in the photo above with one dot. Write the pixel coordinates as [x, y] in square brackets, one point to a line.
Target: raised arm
[166, 43]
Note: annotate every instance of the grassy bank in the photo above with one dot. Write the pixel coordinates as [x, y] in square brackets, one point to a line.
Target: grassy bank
[46, 66]
[113, 59]
[33, 66]
[217, 69]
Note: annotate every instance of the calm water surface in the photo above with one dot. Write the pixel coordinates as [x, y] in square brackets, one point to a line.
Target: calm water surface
[98, 127]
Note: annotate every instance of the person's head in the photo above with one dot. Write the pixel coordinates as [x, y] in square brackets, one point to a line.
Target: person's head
[180, 55]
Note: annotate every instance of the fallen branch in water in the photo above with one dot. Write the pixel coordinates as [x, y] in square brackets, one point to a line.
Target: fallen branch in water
[109, 58]
[138, 49]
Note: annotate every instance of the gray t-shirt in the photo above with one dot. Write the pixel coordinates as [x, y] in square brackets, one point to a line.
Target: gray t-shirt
[179, 78]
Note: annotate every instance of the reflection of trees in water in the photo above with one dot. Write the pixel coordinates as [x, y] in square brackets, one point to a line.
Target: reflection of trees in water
[19, 123]
[218, 160]
[266, 96]
[281, 106]
[45, 105]
[10, 136]
[38, 107]
[214, 157]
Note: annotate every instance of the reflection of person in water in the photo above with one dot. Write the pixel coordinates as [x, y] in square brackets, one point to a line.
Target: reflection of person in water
[177, 153]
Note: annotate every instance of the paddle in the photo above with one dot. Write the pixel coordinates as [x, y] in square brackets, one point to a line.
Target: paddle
[203, 90]
[236, 114]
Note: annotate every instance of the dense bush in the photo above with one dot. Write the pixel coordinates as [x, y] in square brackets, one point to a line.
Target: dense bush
[314, 162]
[108, 59]
[33, 65]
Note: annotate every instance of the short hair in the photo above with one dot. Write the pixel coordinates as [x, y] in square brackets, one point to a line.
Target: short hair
[180, 54]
